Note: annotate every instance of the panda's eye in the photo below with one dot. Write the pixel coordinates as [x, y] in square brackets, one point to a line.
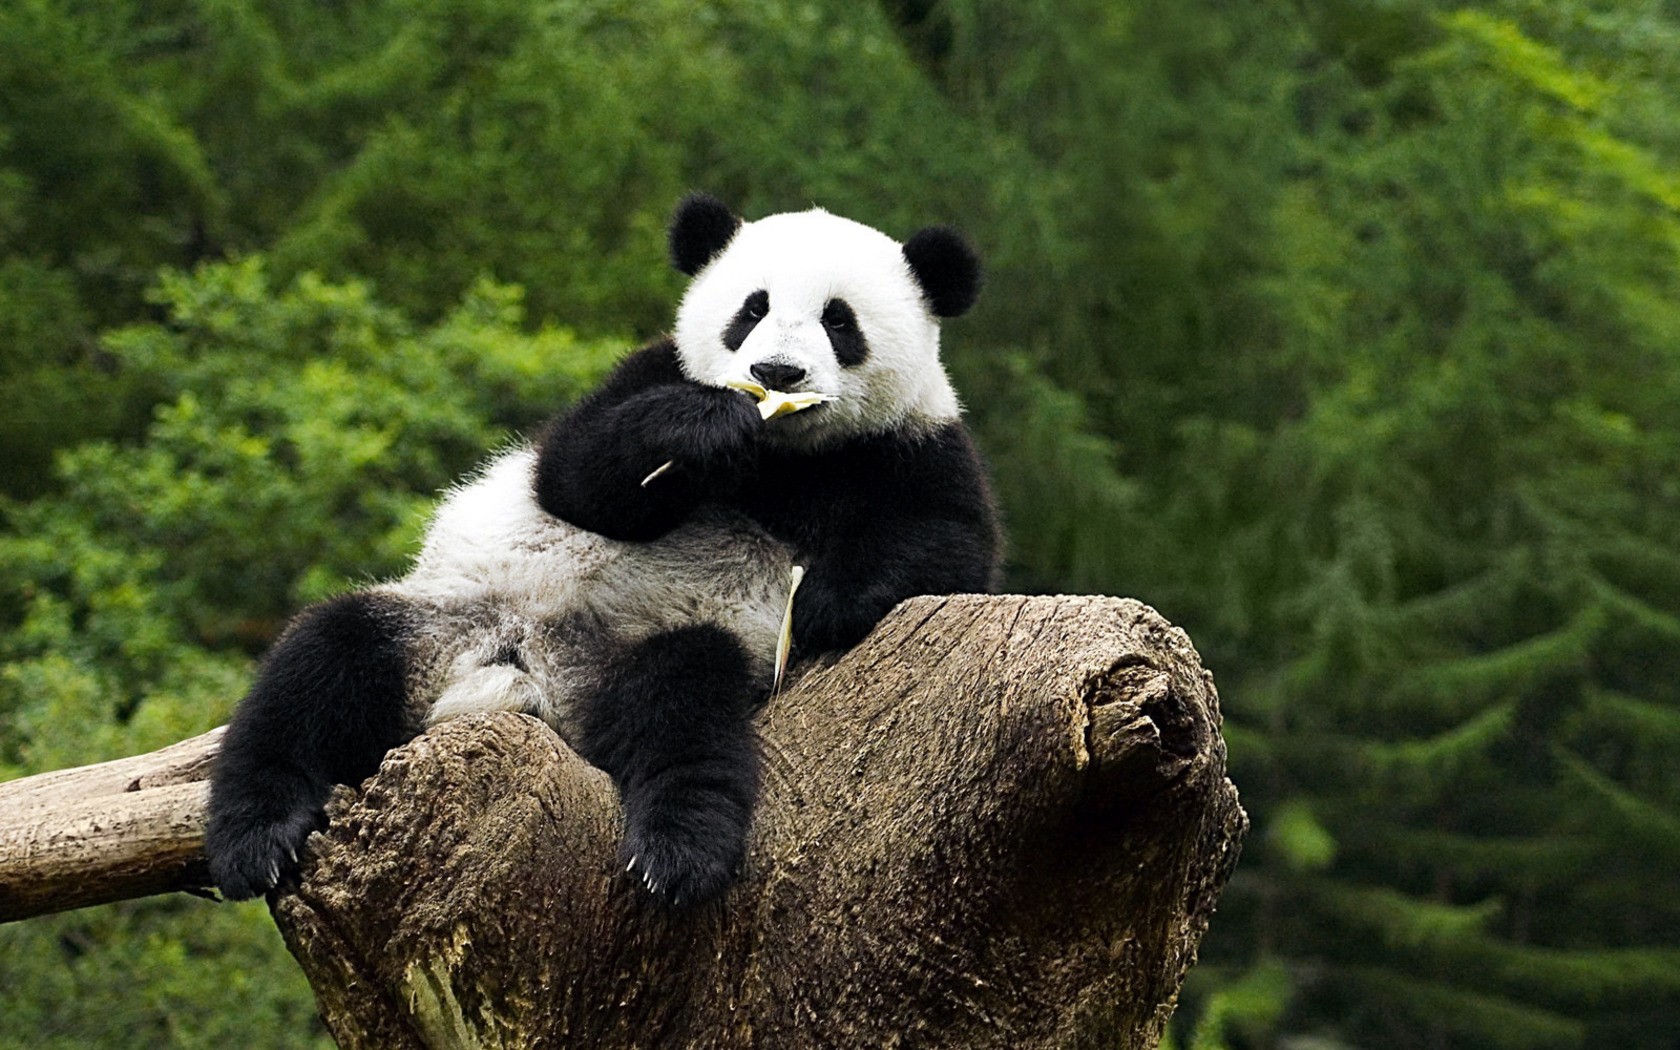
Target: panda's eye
[844, 334]
[753, 309]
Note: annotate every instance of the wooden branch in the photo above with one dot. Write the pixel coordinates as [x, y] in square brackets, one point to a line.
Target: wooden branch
[1000, 821]
[109, 832]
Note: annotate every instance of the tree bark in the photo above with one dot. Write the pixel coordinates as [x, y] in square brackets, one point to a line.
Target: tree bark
[1000, 821]
[108, 832]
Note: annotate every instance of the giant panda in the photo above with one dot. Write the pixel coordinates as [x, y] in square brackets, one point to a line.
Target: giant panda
[625, 576]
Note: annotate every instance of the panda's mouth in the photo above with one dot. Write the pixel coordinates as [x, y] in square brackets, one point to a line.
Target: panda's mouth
[780, 403]
[803, 418]
[802, 426]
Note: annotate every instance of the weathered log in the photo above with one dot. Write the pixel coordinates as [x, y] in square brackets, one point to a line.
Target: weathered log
[998, 822]
[108, 832]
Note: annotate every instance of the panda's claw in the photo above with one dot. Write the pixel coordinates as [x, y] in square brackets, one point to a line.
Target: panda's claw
[683, 873]
[248, 861]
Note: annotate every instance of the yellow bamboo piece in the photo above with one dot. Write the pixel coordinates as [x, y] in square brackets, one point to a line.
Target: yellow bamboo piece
[784, 641]
[771, 403]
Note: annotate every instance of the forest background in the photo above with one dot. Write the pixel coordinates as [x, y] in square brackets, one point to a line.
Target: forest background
[1347, 334]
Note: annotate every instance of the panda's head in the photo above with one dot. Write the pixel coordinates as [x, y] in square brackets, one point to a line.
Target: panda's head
[810, 302]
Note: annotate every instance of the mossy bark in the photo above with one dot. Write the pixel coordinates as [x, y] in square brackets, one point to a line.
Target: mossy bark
[1000, 821]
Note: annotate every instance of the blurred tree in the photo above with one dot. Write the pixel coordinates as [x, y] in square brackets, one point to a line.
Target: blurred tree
[419, 146]
[301, 436]
[1380, 302]
[1343, 332]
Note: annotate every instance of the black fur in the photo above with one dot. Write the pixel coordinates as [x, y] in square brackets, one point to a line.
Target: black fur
[592, 460]
[700, 229]
[946, 268]
[877, 519]
[752, 311]
[327, 704]
[844, 335]
[672, 725]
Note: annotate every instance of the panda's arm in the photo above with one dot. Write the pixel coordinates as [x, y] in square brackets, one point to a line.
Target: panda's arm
[592, 460]
[919, 519]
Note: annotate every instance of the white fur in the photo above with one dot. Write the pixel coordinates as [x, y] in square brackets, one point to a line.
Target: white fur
[474, 687]
[804, 259]
[498, 574]
[520, 609]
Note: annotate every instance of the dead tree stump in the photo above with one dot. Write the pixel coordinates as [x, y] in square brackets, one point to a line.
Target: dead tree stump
[1000, 821]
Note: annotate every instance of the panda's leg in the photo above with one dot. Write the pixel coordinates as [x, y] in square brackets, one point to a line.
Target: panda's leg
[327, 705]
[672, 725]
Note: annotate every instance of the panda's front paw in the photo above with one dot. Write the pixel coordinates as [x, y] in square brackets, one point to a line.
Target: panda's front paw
[698, 425]
[249, 861]
[684, 868]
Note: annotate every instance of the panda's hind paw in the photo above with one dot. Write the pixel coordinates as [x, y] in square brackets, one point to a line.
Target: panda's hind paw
[250, 861]
[682, 871]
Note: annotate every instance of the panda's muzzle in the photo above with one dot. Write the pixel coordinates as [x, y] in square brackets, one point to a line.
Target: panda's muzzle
[778, 375]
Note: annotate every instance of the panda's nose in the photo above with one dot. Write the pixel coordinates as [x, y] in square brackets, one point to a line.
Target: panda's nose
[777, 375]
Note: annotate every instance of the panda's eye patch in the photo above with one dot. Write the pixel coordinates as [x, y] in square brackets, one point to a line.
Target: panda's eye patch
[753, 310]
[844, 335]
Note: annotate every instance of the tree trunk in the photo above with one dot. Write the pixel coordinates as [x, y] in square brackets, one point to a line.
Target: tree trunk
[1000, 821]
[109, 832]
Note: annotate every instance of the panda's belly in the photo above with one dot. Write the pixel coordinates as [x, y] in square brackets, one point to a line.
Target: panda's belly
[523, 608]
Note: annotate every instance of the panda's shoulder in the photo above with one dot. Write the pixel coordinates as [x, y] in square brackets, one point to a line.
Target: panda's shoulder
[918, 462]
[942, 449]
[653, 365]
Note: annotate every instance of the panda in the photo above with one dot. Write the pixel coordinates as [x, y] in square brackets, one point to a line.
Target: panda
[625, 577]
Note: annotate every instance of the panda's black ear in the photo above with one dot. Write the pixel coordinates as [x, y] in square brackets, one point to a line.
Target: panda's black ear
[700, 229]
[946, 268]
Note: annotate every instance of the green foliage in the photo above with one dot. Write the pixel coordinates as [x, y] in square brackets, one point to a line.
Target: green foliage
[1299, 839]
[174, 973]
[1371, 310]
[299, 438]
[1245, 1007]
[1342, 332]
